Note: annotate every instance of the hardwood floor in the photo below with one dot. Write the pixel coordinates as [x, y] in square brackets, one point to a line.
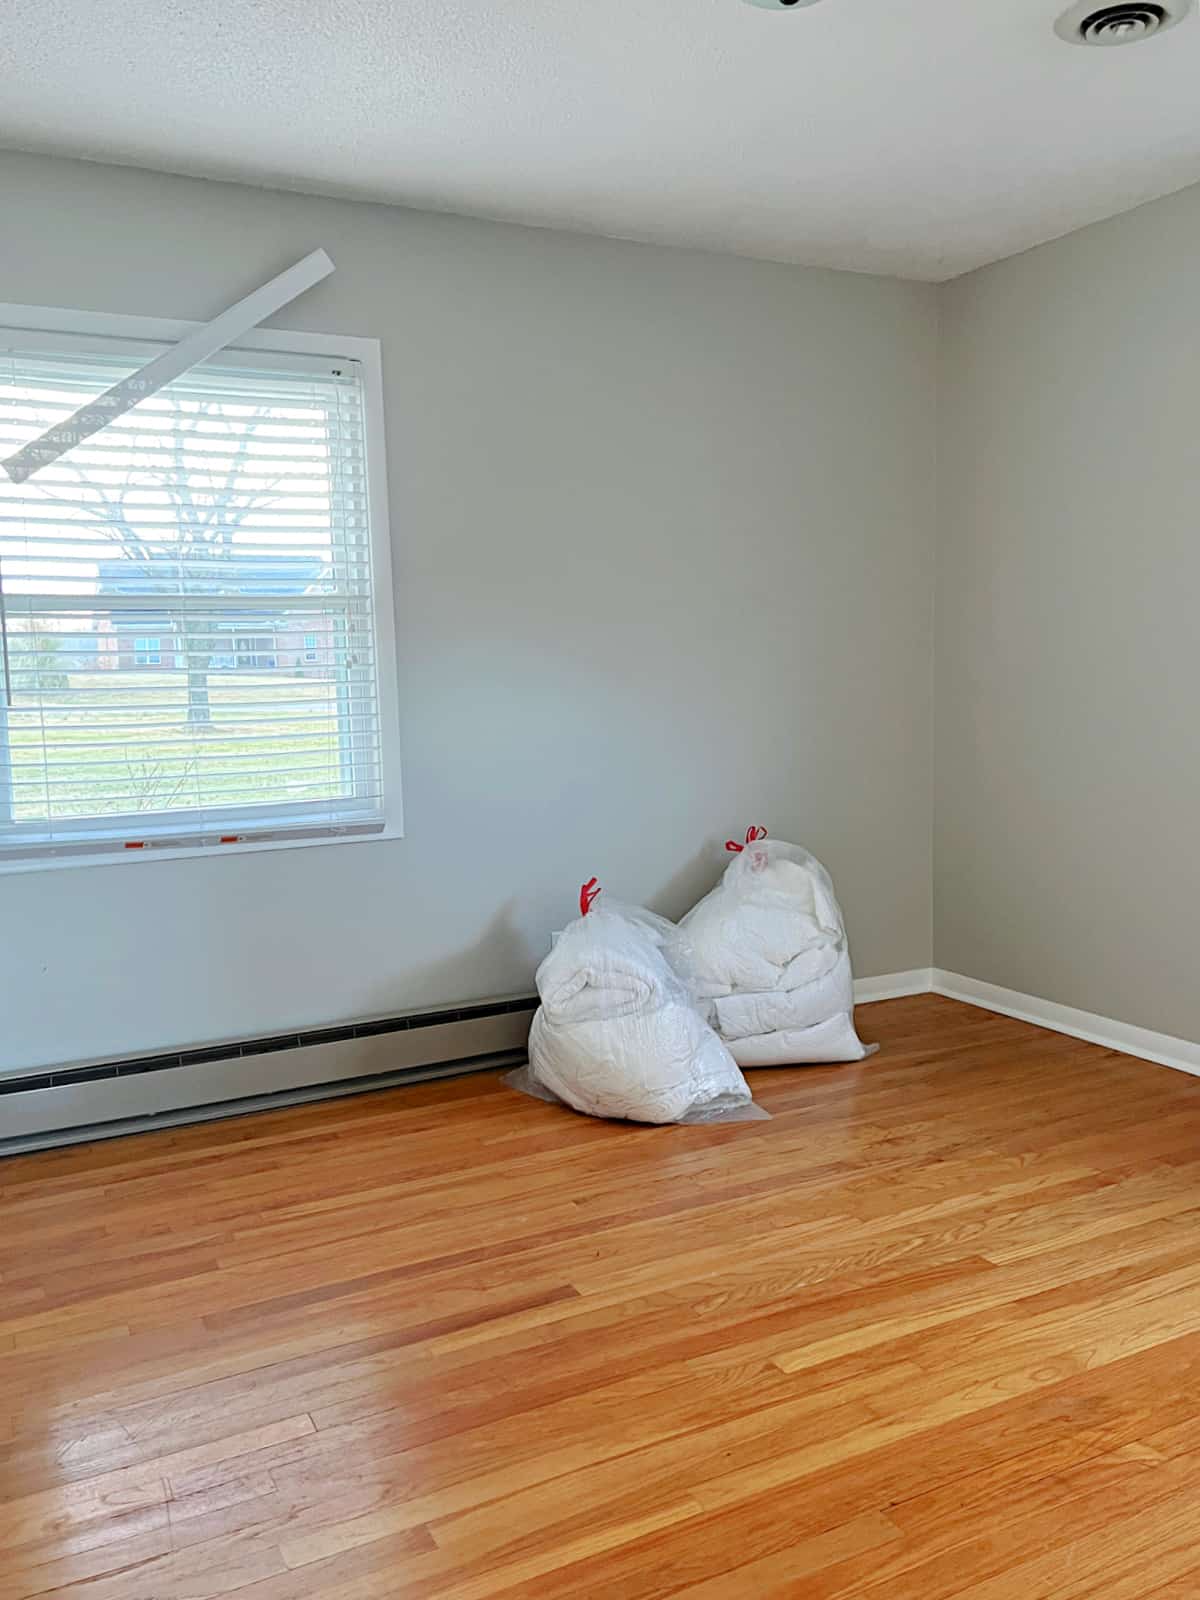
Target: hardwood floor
[932, 1331]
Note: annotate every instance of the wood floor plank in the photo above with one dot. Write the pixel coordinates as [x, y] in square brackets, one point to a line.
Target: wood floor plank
[67, 1563]
[931, 1332]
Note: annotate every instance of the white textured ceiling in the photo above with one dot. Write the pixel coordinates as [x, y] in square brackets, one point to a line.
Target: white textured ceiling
[918, 137]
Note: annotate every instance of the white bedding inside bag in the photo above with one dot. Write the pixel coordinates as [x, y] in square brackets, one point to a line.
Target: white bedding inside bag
[766, 1011]
[827, 1042]
[767, 951]
[618, 1034]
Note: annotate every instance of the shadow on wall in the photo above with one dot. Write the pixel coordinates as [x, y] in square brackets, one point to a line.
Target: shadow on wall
[690, 883]
[459, 979]
[462, 977]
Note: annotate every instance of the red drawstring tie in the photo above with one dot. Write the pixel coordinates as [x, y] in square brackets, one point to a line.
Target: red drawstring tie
[587, 894]
[752, 835]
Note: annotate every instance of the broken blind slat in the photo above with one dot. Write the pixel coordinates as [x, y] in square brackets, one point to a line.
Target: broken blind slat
[187, 607]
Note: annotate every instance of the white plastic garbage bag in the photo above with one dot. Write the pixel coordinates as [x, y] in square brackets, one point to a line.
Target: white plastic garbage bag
[619, 1035]
[767, 951]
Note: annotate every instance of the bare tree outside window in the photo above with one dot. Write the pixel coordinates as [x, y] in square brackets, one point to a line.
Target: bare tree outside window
[211, 492]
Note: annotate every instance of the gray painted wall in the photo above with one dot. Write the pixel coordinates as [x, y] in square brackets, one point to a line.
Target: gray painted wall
[663, 527]
[1068, 731]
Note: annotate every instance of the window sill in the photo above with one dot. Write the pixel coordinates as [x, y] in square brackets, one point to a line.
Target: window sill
[207, 852]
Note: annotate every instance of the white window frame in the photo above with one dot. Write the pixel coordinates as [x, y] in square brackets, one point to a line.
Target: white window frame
[96, 326]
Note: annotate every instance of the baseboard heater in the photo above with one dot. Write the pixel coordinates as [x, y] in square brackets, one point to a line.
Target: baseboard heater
[101, 1099]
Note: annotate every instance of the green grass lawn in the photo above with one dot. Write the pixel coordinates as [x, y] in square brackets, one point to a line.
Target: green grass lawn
[121, 741]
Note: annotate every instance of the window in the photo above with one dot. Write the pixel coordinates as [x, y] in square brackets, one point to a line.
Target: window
[154, 581]
[147, 652]
[254, 652]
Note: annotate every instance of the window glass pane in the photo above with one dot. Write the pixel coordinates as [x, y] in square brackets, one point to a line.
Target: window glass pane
[187, 603]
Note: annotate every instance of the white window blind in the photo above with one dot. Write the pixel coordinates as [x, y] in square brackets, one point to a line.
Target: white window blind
[186, 608]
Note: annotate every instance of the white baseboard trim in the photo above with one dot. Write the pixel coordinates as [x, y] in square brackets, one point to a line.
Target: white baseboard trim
[1163, 1048]
[892, 985]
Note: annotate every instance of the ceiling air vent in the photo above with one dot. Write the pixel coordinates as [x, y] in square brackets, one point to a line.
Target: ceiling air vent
[1126, 23]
